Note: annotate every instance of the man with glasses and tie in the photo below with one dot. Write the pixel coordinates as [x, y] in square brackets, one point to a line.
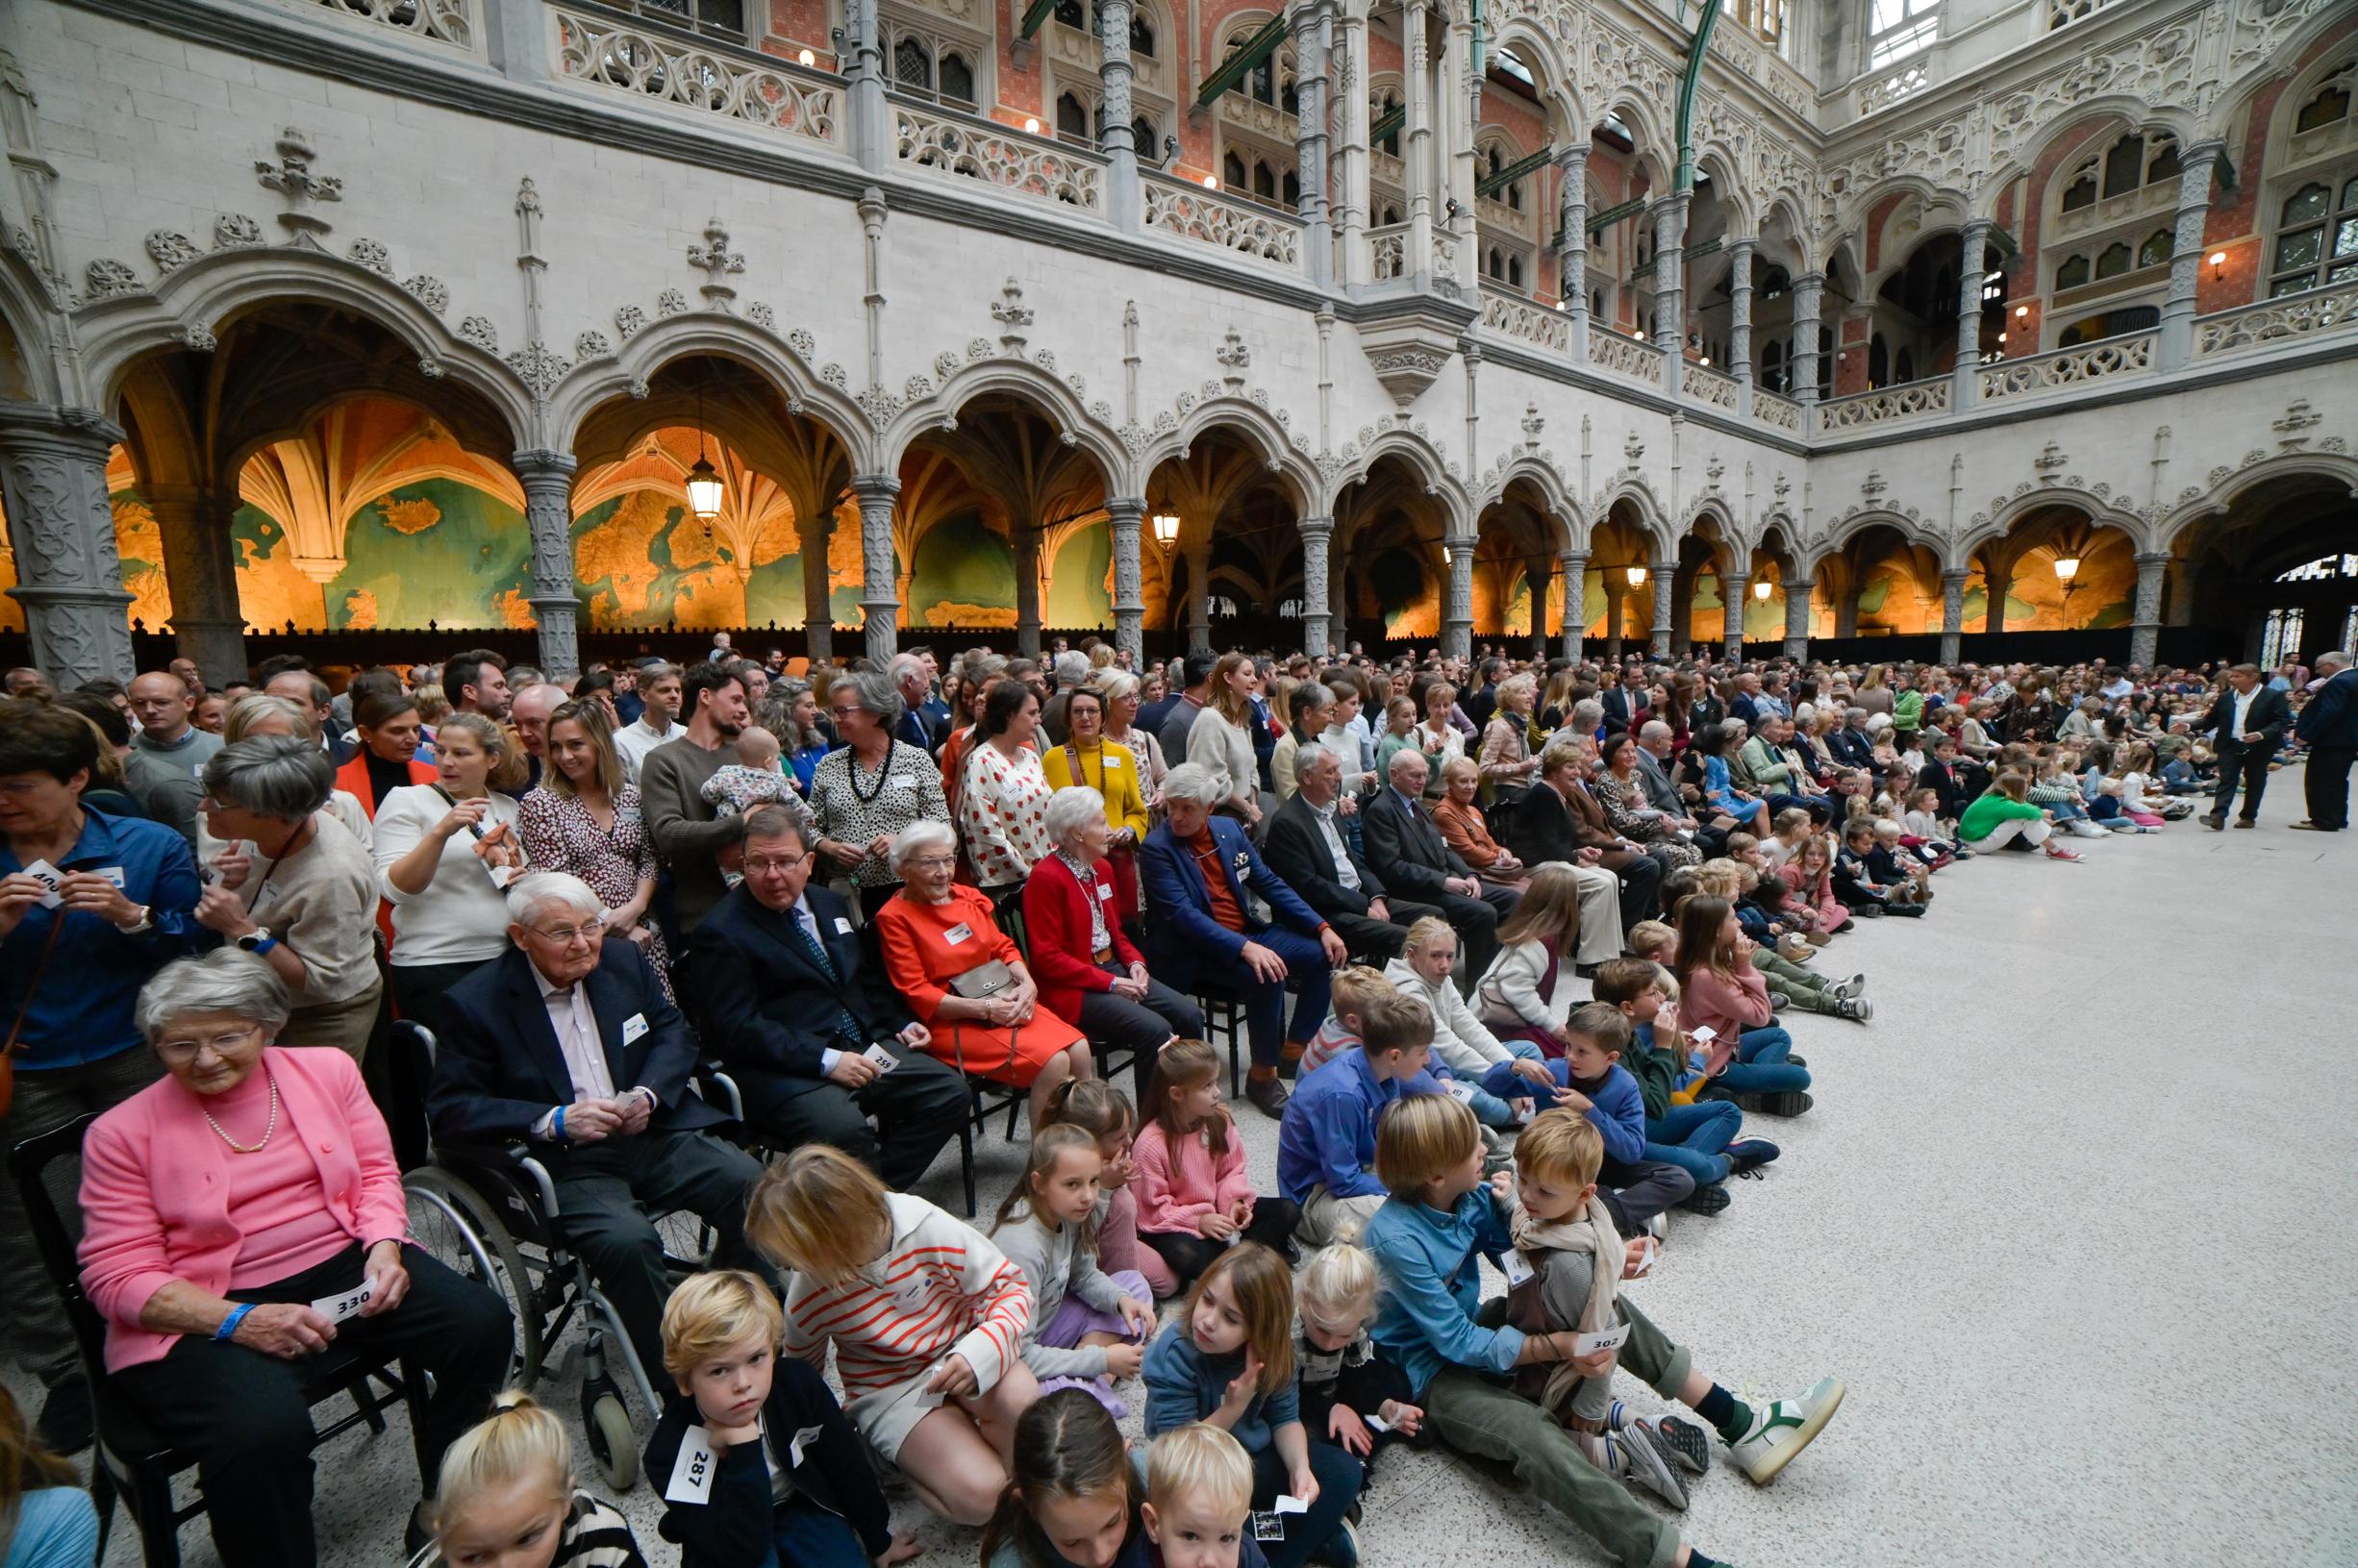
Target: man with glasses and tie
[567, 1043]
[816, 1041]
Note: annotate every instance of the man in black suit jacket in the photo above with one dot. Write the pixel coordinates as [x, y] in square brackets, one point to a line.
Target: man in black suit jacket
[2329, 724]
[1407, 843]
[2248, 722]
[567, 1044]
[777, 981]
[1331, 878]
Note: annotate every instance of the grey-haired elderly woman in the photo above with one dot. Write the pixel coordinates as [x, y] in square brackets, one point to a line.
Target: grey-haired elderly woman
[242, 1215]
[306, 905]
[1087, 970]
[865, 792]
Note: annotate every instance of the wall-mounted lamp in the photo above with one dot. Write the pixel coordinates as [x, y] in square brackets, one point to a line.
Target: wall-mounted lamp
[1212, 182]
[2021, 311]
[1031, 126]
[2218, 264]
[1447, 555]
[806, 58]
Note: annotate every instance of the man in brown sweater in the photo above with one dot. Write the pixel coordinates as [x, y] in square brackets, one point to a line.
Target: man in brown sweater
[683, 823]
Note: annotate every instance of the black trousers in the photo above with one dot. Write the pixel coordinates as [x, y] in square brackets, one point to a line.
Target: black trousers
[1363, 1390]
[918, 1107]
[1116, 1023]
[1188, 1256]
[2248, 767]
[247, 1417]
[610, 1192]
[2326, 783]
[417, 991]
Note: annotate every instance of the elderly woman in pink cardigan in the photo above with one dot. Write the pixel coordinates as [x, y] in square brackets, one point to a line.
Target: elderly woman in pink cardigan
[244, 1223]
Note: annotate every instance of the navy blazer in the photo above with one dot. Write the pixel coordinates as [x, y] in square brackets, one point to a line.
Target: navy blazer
[2331, 717]
[1409, 845]
[1182, 928]
[765, 1009]
[1852, 748]
[498, 1069]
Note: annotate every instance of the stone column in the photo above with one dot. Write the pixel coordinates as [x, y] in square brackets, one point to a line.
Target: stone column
[547, 477]
[871, 117]
[1318, 534]
[1797, 592]
[1666, 573]
[1313, 28]
[1575, 601]
[1125, 515]
[1733, 590]
[1457, 609]
[880, 607]
[1458, 92]
[815, 528]
[1617, 610]
[1972, 266]
[1113, 74]
[1416, 149]
[1739, 323]
[1537, 572]
[53, 468]
[1846, 611]
[1573, 202]
[1997, 583]
[1199, 597]
[1354, 265]
[1669, 310]
[2197, 167]
[1026, 533]
[2145, 628]
[1952, 614]
[1808, 289]
[201, 565]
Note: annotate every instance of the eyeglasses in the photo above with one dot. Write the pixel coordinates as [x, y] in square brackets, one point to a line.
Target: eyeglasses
[589, 931]
[776, 862]
[185, 1049]
[935, 862]
[844, 712]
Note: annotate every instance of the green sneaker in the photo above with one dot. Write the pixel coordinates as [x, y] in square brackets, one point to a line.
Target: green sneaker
[1783, 1429]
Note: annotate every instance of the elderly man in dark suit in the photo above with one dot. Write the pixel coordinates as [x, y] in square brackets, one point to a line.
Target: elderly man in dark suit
[2329, 724]
[775, 975]
[1201, 935]
[1654, 744]
[1407, 843]
[565, 1042]
[2247, 723]
[1306, 845]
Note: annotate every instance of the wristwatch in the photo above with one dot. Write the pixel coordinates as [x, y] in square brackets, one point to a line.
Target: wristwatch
[144, 923]
[258, 942]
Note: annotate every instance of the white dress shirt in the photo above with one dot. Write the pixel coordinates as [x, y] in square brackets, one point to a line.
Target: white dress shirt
[1346, 873]
[576, 1025]
[2243, 710]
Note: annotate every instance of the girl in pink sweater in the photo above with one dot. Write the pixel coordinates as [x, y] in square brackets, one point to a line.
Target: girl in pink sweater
[1748, 1058]
[1809, 873]
[1194, 1200]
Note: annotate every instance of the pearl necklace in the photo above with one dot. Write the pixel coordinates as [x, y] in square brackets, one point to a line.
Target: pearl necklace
[269, 1128]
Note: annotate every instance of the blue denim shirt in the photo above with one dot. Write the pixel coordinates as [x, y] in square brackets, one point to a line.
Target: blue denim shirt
[1183, 1386]
[1433, 1286]
[82, 1011]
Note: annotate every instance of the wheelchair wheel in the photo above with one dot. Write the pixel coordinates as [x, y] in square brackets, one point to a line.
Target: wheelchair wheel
[449, 1220]
[613, 1441]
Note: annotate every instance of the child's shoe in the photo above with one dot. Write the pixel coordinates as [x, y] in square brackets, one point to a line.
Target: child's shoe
[1817, 938]
[1846, 989]
[1785, 1102]
[1783, 1429]
[1686, 1442]
[1778, 1001]
[1746, 1155]
[1706, 1200]
[1631, 1458]
[1856, 1008]
[2056, 852]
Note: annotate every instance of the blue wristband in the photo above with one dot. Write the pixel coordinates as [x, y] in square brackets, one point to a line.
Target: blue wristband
[558, 1128]
[229, 1323]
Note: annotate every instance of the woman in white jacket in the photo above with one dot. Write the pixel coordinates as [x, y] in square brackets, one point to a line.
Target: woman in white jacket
[1221, 741]
[1503, 1077]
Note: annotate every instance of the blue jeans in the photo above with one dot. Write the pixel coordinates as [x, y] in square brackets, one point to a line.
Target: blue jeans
[1760, 1066]
[807, 1536]
[1691, 1137]
[1503, 1082]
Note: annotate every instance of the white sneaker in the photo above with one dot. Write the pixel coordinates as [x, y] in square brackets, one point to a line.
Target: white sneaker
[1629, 1456]
[1846, 989]
[1784, 1429]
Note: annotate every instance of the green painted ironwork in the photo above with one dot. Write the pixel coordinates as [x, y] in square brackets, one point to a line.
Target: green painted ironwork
[1256, 49]
[1687, 86]
[1491, 184]
[1036, 16]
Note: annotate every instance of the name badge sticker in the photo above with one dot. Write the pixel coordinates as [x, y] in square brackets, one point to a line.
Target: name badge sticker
[802, 1440]
[633, 1027]
[112, 873]
[1110, 760]
[1105, 890]
[842, 926]
[902, 783]
[691, 1473]
[960, 932]
[1518, 1267]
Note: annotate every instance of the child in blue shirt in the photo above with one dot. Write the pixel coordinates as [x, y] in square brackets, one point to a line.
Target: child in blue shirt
[1641, 1188]
[1326, 1138]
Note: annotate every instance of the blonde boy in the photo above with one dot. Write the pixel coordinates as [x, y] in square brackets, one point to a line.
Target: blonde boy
[1199, 1497]
[1351, 993]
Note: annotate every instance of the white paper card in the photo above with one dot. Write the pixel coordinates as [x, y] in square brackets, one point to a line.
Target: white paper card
[337, 1308]
[1703, 1034]
[691, 1473]
[1646, 1254]
[1376, 1423]
[48, 876]
[884, 1059]
[1459, 1088]
[842, 926]
[1286, 1504]
[802, 1440]
[1613, 1338]
[1517, 1267]
[633, 1027]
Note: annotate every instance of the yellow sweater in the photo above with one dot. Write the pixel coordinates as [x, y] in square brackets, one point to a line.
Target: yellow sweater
[1111, 771]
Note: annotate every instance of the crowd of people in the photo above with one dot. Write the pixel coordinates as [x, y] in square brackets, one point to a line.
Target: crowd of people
[1505, 946]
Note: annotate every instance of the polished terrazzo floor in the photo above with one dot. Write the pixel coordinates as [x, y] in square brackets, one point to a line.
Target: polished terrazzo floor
[2071, 1218]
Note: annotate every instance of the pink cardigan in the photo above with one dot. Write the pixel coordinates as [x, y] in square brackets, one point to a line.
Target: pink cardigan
[1729, 1008]
[1174, 1190]
[155, 1188]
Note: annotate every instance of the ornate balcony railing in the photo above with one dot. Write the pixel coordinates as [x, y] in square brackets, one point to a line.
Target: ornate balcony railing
[1192, 212]
[633, 60]
[1391, 251]
[2068, 366]
[1519, 318]
[1709, 385]
[2295, 315]
[1780, 412]
[452, 21]
[1624, 356]
[1884, 405]
[965, 149]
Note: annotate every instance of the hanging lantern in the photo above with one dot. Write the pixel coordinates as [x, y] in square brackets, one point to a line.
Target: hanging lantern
[704, 491]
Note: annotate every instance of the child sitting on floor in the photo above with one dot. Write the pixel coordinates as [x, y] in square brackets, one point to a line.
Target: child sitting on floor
[505, 1494]
[1855, 882]
[1326, 1138]
[1789, 984]
[1195, 1196]
[1344, 1379]
[1531, 986]
[1603, 1090]
[1791, 827]
[1199, 1501]
[1702, 1137]
[1746, 1055]
[1348, 994]
[1105, 1113]
[1088, 1329]
[1504, 1077]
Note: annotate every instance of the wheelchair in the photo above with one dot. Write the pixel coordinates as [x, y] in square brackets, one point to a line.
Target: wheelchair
[489, 1213]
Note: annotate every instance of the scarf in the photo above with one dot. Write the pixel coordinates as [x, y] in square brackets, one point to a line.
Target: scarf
[1592, 1233]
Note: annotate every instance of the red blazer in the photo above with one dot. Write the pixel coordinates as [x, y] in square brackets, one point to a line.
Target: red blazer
[1057, 921]
[353, 780]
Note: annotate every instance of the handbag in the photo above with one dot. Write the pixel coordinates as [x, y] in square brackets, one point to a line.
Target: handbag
[984, 980]
[8, 1051]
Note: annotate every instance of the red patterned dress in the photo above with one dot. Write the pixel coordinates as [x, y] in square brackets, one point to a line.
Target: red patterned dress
[559, 834]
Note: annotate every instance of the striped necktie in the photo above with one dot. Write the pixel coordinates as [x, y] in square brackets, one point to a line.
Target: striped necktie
[846, 1025]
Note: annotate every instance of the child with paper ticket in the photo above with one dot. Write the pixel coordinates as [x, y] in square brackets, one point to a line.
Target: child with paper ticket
[756, 1461]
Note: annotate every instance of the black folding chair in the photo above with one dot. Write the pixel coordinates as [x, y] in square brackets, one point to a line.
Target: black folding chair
[130, 1461]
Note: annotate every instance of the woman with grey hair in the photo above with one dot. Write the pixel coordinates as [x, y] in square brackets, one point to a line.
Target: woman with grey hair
[870, 789]
[1088, 970]
[307, 905]
[242, 1214]
[962, 978]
